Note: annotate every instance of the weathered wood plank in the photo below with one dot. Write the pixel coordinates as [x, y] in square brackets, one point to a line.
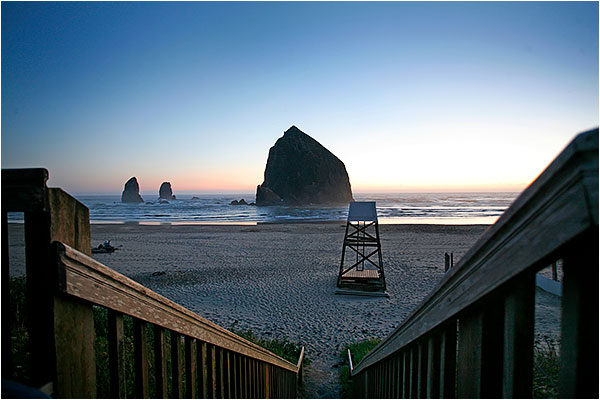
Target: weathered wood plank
[70, 221]
[176, 366]
[160, 362]
[76, 362]
[116, 355]
[519, 313]
[140, 357]
[85, 278]
[579, 325]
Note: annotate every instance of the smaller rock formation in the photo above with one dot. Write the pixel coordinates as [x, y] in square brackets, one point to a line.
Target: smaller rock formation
[242, 202]
[165, 191]
[131, 193]
[195, 198]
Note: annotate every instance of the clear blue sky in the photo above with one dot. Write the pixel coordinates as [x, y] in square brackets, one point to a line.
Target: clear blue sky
[411, 96]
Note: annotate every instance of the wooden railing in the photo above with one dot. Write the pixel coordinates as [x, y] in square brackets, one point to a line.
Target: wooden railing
[473, 336]
[66, 287]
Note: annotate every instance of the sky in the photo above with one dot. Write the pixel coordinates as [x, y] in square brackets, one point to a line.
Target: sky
[411, 96]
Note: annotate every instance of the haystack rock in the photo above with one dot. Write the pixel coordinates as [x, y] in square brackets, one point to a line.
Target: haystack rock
[165, 191]
[301, 171]
[131, 193]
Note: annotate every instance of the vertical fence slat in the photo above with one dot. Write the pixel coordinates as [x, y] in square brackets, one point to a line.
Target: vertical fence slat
[140, 355]
[116, 355]
[492, 345]
[211, 374]
[405, 374]
[202, 370]
[190, 367]
[176, 367]
[433, 367]
[448, 361]
[579, 342]
[422, 370]
[244, 380]
[468, 379]
[160, 362]
[219, 372]
[519, 314]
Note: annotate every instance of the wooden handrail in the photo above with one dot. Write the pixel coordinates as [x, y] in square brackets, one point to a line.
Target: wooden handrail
[350, 362]
[300, 358]
[560, 205]
[473, 336]
[64, 284]
[85, 278]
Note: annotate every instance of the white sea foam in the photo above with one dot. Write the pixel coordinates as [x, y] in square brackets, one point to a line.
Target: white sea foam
[411, 208]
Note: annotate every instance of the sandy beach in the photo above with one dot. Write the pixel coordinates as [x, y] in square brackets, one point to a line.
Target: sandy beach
[278, 280]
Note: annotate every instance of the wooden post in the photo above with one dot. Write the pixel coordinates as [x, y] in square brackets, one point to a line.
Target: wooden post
[140, 355]
[176, 368]
[57, 216]
[40, 302]
[7, 322]
[75, 356]
[519, 310]
[579, 343]
[116, 355]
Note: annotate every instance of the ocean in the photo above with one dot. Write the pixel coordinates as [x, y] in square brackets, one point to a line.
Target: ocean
[400, 208]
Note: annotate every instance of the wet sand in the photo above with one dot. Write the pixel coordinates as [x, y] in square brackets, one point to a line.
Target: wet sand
[278, 280]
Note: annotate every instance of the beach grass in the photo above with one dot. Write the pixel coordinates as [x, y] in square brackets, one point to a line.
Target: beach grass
[282, 347]
[546, 368]
[358, 350]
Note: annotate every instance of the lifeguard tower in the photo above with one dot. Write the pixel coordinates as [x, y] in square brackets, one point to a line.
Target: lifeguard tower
[361, 269]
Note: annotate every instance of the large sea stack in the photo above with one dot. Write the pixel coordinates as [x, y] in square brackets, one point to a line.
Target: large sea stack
[165, 191]
[131, 193]
[301, 171]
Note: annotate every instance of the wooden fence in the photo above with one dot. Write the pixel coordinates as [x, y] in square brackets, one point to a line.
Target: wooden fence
[65, 287]
[473, 336]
